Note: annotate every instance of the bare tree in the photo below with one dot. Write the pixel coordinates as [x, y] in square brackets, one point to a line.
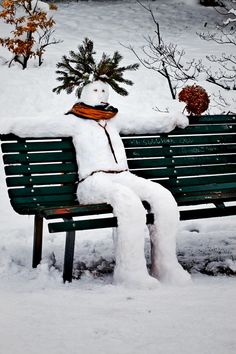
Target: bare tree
[224, 34]
[165, 58]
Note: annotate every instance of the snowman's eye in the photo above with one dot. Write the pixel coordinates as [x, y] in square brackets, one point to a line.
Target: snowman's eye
[103, 90]
[95, 90]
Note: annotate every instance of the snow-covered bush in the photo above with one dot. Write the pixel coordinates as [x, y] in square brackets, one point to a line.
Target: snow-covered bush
[31, 29]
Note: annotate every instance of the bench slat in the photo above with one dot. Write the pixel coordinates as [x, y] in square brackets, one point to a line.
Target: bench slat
[37, 146]
[90, 224]
[207, 129]
[164, 140]
[34, 209]
[179, 151]
[217, 187]
[41, 168]
[15, 138]
[76, 210]
[194, 181]
[41, 180]
[40, 191]
[207, 213]
[185, 171]
[205, 197]
[35, 201]
[182, 161]
[213, 119]
[38, 157]
[83, 224]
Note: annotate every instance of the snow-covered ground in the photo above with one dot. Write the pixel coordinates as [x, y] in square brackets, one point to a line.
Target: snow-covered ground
[39, 313]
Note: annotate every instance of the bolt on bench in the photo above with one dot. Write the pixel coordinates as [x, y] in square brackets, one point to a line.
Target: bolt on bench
[197, 164]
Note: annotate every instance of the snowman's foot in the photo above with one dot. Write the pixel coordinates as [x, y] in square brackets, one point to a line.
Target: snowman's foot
[135, 280]
[172, 274]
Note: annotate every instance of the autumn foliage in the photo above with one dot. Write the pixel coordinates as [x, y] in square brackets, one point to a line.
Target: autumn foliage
[32, 28]
[196, 99]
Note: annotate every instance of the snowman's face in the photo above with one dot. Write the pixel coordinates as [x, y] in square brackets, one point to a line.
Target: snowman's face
[95, 93]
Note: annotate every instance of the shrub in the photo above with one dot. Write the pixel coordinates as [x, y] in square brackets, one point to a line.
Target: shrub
[32, 29]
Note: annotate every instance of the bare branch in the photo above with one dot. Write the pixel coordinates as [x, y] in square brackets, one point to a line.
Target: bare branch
[165, 58]
[223, 34]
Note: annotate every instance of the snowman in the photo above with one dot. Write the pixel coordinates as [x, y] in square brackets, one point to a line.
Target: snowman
[104, 177]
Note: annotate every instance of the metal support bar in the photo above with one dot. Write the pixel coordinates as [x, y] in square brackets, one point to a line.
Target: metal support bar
[220, 205]
[38, 240]
[69, 255]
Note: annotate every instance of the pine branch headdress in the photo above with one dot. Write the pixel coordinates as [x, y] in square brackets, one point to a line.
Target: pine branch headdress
[80, 68]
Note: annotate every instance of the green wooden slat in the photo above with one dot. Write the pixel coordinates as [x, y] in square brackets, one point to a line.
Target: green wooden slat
[207, 197]
[83, 224]
[217, 187]
[13, 137]
[41, 168]
[178, 140]
[207, 213]
[37, 146]
[179, 150]
[77, 210]
[212, 119]
[41, 200]
[205, 170]
[38, 157]
[81, 210]
[145, 152]
[89, 224]
[149, 163]
[185, 171]
[40, 180]
[154, 173]
[204, 150]
[35, 209]
[206, 129]
[41, 191]
[181, 161]
[189, 181]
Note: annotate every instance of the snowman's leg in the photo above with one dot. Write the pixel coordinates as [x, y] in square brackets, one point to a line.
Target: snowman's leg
[130, 266]
[165, 265]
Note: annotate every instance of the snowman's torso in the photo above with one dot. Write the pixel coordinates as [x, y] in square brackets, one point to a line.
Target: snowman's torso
[94, 151]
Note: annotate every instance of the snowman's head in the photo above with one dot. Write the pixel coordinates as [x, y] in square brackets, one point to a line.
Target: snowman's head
[95, 93]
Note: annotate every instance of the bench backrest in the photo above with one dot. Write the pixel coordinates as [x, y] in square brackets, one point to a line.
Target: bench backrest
[198, 164]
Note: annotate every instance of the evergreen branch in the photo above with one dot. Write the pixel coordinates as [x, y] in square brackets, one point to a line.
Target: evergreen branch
[76, 69]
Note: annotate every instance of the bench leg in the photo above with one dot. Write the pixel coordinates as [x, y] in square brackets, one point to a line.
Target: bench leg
[38, 240]
[69, 256]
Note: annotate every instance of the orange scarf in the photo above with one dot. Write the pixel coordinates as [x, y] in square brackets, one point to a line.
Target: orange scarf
[98, 112]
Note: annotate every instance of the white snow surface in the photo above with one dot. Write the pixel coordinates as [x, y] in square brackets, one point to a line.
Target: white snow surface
[39, 313]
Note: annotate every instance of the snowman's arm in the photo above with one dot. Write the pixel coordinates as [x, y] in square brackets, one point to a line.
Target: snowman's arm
[154, 122]
[38, 127]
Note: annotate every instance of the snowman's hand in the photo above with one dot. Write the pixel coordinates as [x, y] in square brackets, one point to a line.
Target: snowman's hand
[181, 120]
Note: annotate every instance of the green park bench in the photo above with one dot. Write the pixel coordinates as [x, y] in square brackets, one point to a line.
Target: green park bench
[197, 164]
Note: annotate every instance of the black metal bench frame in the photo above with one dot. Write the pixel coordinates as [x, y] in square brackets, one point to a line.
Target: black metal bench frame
[197, 164]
